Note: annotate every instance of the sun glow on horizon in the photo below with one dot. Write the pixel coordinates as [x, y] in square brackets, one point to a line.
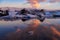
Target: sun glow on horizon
[29, 4]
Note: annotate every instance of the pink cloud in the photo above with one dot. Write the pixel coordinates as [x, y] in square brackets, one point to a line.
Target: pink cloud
[48, 0]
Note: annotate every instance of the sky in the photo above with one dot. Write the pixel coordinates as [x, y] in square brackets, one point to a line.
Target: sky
[45, 4]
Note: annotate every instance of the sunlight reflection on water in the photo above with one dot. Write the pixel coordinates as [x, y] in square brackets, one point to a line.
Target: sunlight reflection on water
[18, 22]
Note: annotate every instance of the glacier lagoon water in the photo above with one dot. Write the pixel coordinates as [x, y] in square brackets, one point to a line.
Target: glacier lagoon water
[10, 26]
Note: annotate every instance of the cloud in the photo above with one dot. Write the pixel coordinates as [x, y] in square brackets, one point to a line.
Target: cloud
[30, 0]
[50, 6]
[45, 4]
[48, 0]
